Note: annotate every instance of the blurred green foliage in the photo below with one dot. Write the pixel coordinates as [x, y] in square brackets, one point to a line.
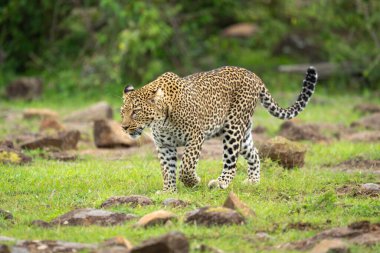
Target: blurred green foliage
[82, 44]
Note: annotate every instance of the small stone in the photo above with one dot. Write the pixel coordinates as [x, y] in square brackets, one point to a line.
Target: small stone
[174, 202]
[263, 236]
[89, 216]
[10, 155]
[41, 223]
[210, 216]
[235, 203]
[64, 140]
[371, 187]
[62, 156]
[287, 153]
[133, 201]
[330, 246]
[243, 30]
[24, 88]
[109, 134]
[98, 111]
[42, 113]
[173, 242]
[7, 239]
[155, 218]
[5, 215]
[4, 249]
[51, 123]
[210, 249]
[47, 246]
[115, 245]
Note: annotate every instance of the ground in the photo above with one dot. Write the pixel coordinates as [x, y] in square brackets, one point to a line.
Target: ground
[45, 189]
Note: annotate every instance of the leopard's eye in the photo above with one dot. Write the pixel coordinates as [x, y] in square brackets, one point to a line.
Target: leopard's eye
[133, 115]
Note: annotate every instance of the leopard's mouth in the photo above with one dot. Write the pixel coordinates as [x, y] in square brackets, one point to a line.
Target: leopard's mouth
[136, 133]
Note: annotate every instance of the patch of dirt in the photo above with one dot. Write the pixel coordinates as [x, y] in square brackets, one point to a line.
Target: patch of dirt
[358, 163]
[367, 108]
[371, 122]
[358, 191]
[302, 226]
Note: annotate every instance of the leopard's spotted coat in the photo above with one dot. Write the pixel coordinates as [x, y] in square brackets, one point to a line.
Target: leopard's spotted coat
[187, 111]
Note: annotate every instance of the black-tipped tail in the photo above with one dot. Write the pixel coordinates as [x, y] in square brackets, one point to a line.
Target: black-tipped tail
[307, 91]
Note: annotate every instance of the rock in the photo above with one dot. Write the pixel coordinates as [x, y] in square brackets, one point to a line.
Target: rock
[89, 216]
[42, 113]
[206, 248]
[209, 216]
[51, 246]
[4, 249]
[174, 203]
[363, 136]
[62, 156]
[10, 155]
[64, 140]
[133, 201]
[233, 202]
[243, 30]
[173, 242]
[371, 122]
[51, 123]
[259, 130]
[367, 108]
[24, 88]
[262, 236]
[7, 239]
[330, 246]
[156, 217]
[295, 132]
[361, 233]
[109, 134]
[98, 111]
[287, 153]
[371, 187]
[115, 245]
[302, 226]
[5, 215]
[41, 223]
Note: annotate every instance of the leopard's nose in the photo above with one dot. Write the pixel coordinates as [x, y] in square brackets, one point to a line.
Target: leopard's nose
[125, 127]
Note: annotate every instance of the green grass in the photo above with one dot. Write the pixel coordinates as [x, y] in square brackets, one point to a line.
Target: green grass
[45, 189]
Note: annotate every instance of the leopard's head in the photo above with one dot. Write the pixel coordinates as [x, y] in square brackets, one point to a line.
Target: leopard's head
[141, 108]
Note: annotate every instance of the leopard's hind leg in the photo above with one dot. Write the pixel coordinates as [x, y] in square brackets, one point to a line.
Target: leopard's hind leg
[232, 138]
[249, 152]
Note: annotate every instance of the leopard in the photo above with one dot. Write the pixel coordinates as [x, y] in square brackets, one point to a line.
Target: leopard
[187, 111]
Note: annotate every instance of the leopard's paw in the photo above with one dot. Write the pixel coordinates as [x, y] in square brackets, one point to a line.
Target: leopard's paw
[215, 183]
[191, 182]
[251, 181]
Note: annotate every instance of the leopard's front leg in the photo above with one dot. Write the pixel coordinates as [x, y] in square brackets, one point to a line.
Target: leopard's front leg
[187, 171]
[168, 159]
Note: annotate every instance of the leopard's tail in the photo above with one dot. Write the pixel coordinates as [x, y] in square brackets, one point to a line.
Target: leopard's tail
[307, 91]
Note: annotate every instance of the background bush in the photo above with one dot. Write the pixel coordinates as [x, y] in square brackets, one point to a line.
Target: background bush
[77, 45]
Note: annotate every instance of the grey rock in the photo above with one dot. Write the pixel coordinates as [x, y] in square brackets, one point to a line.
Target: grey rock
[132, 200]
[174, 202]
[5, 215]
[210, 216]
[371, 187]
[173, 242]
[89, 216]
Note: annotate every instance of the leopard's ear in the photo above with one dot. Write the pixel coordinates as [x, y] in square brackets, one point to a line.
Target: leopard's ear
[128, 88]
[157, 96]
